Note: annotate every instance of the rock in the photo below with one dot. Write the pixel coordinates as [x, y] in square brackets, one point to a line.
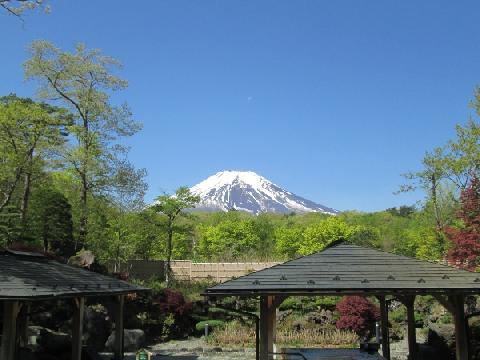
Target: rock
[442, 337]
[323, 317]
[83, 258]
[53, 342]
[133, 339]
[97, 327]
[282, 315]
[428, 352]
[298, 325]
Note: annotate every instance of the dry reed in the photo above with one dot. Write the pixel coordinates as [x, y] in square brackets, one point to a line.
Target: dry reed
[235, 335]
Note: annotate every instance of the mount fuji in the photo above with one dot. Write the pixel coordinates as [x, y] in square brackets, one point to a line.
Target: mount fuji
[248, 191]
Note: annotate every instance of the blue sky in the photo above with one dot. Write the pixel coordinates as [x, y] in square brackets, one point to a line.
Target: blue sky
[332, 100]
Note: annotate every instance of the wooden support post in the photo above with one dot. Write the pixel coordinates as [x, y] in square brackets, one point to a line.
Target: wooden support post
[9, 334]
[22, 326]
[458, 302]
[77, 328]
[411, 331]
[119, 328]
[385, 332]
[268, 322]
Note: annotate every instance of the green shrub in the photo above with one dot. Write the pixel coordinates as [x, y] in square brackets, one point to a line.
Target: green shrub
[445, 319]
[398, 315]
[419, 319]
[291, 303]
[327, 302]
[212, 324]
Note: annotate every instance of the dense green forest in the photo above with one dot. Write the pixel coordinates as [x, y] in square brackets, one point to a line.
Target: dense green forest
[66, 184]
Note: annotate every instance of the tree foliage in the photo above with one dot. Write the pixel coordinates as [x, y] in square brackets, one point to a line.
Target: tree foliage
[465, 250]
[30, 134]
[18, 7]
[172, 207]
[357, 313]
[83, 82]
[51, 221]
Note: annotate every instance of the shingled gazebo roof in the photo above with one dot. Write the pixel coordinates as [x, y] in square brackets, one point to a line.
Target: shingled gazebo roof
[350, 269]
[25, 276]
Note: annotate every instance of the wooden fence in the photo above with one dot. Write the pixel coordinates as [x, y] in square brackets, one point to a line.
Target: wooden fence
[188, 270]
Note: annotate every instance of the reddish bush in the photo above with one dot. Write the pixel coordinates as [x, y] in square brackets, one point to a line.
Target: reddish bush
[172, 302]
[356, 313]
[465, 250]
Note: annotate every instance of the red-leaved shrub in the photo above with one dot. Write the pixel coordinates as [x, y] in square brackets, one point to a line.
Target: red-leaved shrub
[172, 302]
[465, 250]
[357, 313]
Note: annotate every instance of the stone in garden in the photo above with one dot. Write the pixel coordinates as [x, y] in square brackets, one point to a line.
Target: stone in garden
[133, 340]
[53, 342]
[442, 337]
[97, 327]
[282, 315]
[84, 258]
[323, 317]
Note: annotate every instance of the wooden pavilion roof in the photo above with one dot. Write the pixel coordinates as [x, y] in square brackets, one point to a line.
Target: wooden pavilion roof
[25, 276]
[344, 268]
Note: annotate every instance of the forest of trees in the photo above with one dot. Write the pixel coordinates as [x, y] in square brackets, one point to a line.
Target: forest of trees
[66, 184]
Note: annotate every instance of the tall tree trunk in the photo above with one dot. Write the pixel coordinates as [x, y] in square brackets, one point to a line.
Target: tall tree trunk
[168, 269]
[436, 212]
[27, 181]
[9, 193]
[82, 236]
[84, 183]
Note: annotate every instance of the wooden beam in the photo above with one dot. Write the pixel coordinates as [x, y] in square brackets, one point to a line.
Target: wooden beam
[278, 300]
[461, 345]
[118, 351]
[77, 328]
[22, 325]
[409, 302]
[267, 326]
[9, 334]
[384, 323]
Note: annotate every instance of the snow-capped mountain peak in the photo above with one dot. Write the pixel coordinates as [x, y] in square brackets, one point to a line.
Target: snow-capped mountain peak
[248, 191]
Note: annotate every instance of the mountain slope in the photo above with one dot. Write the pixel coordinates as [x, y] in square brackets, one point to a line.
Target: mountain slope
[248, 191]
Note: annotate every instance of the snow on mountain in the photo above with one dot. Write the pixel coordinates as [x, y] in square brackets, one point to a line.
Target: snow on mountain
[248, 191]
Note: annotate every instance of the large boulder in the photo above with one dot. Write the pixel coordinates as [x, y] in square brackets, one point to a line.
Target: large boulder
[97, 327]
[84, 258]
[282, 315]
[428, 352]
[442, 337]
[322, 317]
[51, 341]
[133, 339]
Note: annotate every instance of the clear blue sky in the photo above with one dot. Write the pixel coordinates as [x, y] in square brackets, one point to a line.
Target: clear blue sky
[332, 100]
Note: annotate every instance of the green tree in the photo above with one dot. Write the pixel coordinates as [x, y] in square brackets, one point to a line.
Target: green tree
[429, 179]
[317, 236]
[462, 158]
[30, 134]
[83, 82]
[288, 240]
[229, 240]
[10, 225]
[172, 207]
[51, 221]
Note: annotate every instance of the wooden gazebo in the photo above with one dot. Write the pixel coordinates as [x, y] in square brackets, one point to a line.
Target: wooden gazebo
[27, 277]
[346, 269]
